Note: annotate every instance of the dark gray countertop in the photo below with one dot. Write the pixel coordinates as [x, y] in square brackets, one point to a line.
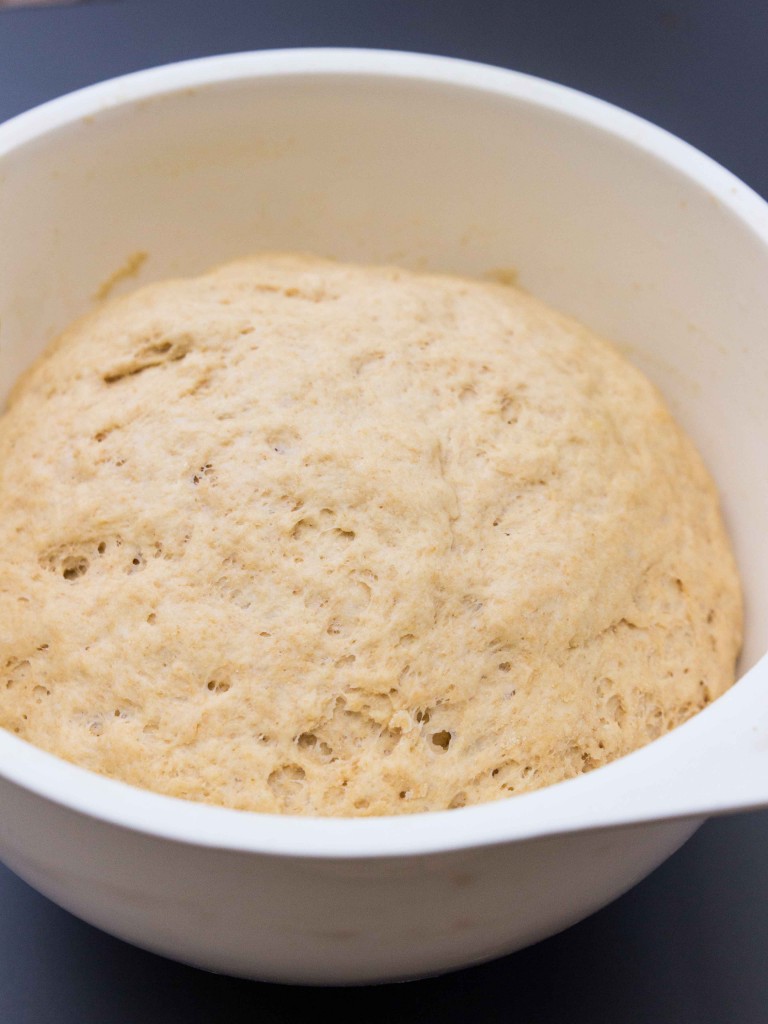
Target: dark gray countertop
[690, 944]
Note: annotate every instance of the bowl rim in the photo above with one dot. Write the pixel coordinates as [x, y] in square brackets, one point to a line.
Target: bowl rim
[622, 793]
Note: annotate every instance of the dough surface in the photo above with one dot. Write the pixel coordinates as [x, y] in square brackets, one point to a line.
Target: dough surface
[303, 537]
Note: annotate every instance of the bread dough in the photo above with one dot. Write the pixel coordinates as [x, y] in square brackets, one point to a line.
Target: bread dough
[305, 537]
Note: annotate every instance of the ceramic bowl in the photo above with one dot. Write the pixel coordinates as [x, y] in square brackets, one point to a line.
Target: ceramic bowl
[425, 162]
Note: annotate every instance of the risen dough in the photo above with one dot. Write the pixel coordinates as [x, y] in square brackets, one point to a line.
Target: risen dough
[305, 537]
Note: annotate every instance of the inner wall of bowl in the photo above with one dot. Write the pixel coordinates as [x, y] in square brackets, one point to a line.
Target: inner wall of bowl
[426, 175]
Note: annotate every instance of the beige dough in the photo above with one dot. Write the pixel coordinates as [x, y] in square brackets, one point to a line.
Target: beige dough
[304, 537]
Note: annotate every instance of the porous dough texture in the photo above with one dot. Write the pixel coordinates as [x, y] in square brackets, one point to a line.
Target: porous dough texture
[303, 537]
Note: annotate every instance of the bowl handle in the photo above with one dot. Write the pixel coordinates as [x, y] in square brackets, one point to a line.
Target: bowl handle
[716, 763]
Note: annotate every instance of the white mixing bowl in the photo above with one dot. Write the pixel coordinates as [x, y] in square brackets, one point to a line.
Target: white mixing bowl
[425, 162]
